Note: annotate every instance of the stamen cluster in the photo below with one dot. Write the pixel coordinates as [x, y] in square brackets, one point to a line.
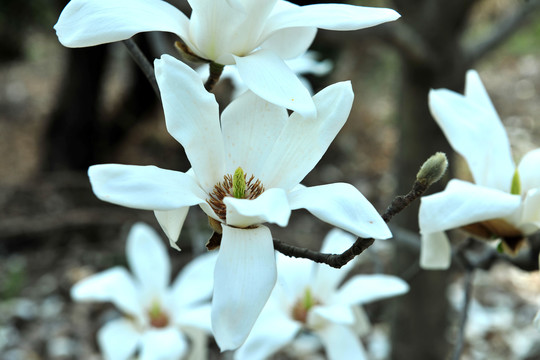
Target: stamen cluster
[254, 188]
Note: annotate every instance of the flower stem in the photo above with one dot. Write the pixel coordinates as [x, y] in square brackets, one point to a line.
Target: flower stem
[215, 73]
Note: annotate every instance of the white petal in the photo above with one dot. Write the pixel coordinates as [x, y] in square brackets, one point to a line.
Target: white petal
[341, 205]
[294, 156]
[250, 127]
[325, 314]
[330, 17]
[328, 278]
[115, 285]
[192, 118]
[294, 275]
[475, 131]
[197, 317]
[530, 217]
[148, 260]
[463, 203]
[340, 342]
[163, 344]
[171, 222]
[195, 282]
[435, 251]
[219, 28]
[272, 331]
[279, 42]
[268, 76]
[118, 339]
[271, 206]
[362, 289]
[244, 277]
[529, 171]
[92, 22]
[144, 187]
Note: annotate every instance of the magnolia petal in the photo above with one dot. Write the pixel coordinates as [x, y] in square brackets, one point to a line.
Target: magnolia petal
[115, 285]
[148, 260]
[475, 131]
[341, 205]
[92, 22]
[271, 206]
[167, 343]
[529, 171]
[327, 278]
[194, 317]
[227, 27]
[463, 203]
[294, 156]
[294, 275]
[118, 339]
[363, 289]
[195, 282]
[272, 331]
[340, 342]
[435, 251]
[243, 280]
[530, 216]
[250, 127]
[192, 118]
[171, 222]
[144, 187]
[338, 314]
[279, 42]
[331, 17]
[267, 75]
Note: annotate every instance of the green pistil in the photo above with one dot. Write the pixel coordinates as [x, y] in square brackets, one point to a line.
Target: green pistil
[155, 310]
[308, 299]
[239, 184]
[515, 189]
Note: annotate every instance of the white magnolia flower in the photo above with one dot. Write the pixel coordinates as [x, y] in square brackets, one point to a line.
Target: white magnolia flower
[503, 203]
[254, 35]
[307, 297]
[257, 150]
[155, 312]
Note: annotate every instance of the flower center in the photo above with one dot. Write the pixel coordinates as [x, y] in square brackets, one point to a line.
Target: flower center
[236, 185]
[302, 306]
[158, 318]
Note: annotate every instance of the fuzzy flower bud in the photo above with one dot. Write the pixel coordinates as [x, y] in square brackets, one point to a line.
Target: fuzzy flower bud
[433, 169]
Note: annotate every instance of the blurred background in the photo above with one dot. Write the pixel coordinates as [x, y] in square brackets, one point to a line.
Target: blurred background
[62, 110]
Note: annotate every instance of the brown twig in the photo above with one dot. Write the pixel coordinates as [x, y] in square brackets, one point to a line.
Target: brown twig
[215, 73]
[143, 63]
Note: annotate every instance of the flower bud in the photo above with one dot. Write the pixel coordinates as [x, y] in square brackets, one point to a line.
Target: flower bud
[433, 169]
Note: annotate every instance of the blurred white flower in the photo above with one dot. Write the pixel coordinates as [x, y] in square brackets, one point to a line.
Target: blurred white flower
[254, 35]
[503, 203]
[258, 149]
[308, 298]
[155, 312]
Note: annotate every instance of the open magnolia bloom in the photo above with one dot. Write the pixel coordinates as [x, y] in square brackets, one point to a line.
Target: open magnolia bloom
[155, 313]
[245, 172]
[254, 35]
[308, 298]
[503, 203]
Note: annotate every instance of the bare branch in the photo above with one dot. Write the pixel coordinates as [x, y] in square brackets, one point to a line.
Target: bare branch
[143, 63]
[502, 30]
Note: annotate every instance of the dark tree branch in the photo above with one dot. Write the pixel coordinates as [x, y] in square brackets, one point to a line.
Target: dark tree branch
[143, 63]
[215, 73]
[361, 244]
[502, 30]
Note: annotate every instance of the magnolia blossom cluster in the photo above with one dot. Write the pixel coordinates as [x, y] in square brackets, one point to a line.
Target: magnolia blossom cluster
[247, 164]
[504, 200]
